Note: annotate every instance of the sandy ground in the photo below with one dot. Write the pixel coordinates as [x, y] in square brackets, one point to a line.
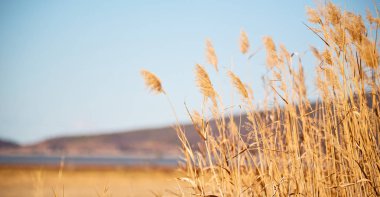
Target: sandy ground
[42, 181]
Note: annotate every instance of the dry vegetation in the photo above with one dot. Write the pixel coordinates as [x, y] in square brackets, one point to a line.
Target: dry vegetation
[294, 147]
[106, 182]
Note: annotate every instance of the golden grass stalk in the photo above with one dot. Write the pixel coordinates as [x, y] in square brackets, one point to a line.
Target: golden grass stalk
[313, 15]
[238, 85]
[199, 125]
[326, 148]
[210, 54]
[368, 53]
[332, 14]
[372, 19]
[354, 26]
[272, 58]
[152, 81]
[204, 83]
[316, 53]
[244, 42]
[327, 57]
[285, 54]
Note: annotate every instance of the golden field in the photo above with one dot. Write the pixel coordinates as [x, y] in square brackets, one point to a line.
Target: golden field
[27, 181]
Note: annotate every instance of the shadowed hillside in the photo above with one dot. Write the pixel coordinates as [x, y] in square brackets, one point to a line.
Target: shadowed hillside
[155, 141]
[160, 141]
[7, 144]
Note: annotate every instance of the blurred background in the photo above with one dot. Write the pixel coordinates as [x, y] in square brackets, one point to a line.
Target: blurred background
[73, 67]
[70, 83]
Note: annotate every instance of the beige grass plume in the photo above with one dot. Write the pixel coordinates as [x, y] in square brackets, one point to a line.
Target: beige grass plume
[314, 17]
[238, 84]
[315, 52]
[285, 54]
[369, 53]
[272, 58]
[210, 54]
[152, 81]
[204, 83]
[354, 25]
[244, 42]
[372, 19]
[333, 14]
[199, 124]
[327, 57]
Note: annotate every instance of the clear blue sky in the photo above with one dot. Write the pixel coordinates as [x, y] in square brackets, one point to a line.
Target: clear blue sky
[72, 67]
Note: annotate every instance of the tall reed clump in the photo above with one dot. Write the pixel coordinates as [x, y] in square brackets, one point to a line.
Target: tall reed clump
[292, 146]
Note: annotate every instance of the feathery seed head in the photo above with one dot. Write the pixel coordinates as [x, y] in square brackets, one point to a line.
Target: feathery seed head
[338, 36]
[369, 53]
[272, 58]
[199, 124]
[238, 84]
[313, 15]
[269, 44]
[244, 42]
[204, 82]
[285, 53]
[197, 118]
[331, 76]
[210, 54]
[327, 57]
[249, 90]
[315, 52]
[372, 19]
[232, 126]
[333, 14]
[354, 25]
[152, 81]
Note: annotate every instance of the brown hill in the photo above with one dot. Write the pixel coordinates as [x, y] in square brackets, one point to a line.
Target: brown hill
[4, 144]
[161, 141]
[154, 142]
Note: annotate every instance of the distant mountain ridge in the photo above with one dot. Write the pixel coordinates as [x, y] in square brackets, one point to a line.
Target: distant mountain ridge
[4, 144]
[160, 141]
[147, 142]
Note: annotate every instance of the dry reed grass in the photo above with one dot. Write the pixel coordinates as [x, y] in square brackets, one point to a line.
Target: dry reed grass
[238, 85]
[294, 147]
[244, 42]
[204, 83]
[88, 182]
[211, 55]
[152, 81]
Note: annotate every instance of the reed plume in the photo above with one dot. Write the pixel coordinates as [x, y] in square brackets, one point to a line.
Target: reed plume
[272, 58]
[327, 57]
[238, 85]
[332, 14]
[152, 81]
[368, 52]
[313, 15]
[372, 19]
[316, 53]
[210, 54]
[244, 42]
[285, 54]
[204, 83]
[354, 25]
[199, 125]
